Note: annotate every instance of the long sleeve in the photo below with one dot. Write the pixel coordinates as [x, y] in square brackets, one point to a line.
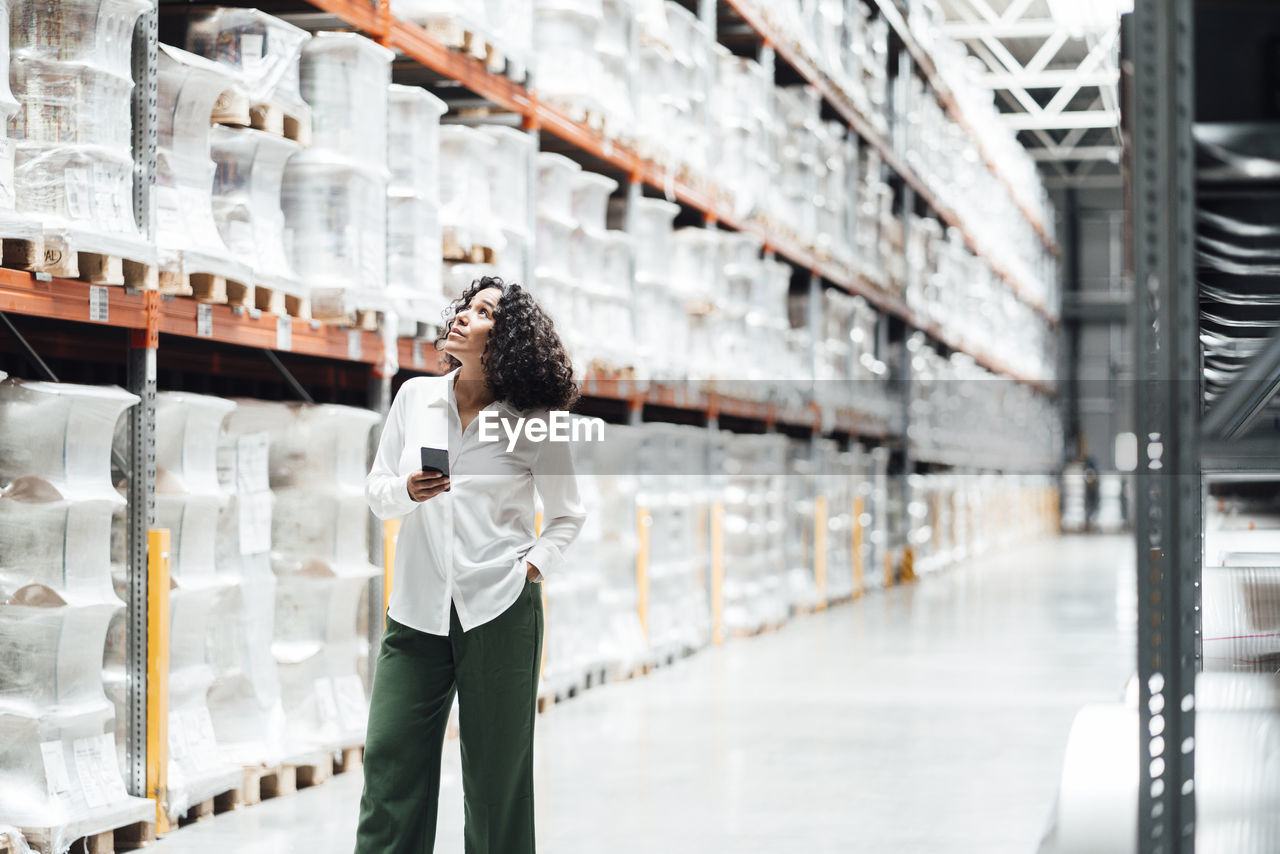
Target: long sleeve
[385, 488]
[562, 510]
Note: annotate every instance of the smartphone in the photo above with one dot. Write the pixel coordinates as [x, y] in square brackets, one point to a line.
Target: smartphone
[436, 459]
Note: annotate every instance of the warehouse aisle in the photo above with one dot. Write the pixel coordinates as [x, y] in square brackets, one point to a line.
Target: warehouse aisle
[930, 718]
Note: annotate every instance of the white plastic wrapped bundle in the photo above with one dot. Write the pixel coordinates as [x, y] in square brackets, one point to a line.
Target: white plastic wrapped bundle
[616, 274]
[247, 185]
[336, 229]
[244, 697]
[590, 202]
[695, 263]
[414, 264]
[73, 167]
[60, 776]
[187, 234]
[465, 202]
[320, 555]
[1241, 618]
[557, 176]
[345, 78]
[756, 584]
[555, 247]
[508, 166]
[564, 36]
[413, 141]
[188, 502]
[263, 50]
[652, 230]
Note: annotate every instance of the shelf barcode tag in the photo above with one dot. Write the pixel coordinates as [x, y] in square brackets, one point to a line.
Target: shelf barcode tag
[418, 360]
[284, 333]
[355, 345]
[99, 304]
[204, 320]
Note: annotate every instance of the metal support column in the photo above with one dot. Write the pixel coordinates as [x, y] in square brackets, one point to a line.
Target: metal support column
[142, 417]
[1167, 418]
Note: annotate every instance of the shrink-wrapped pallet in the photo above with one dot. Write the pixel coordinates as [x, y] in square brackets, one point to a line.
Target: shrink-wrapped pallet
[335, 193]
[1242, 615]
[60, 764]
[414, 249]
[320, 556]
[509, 163]
[247, 185]
[187, 236]
[564, 37]
[262, 50]
[244, 698]
[11, 224]
[466, 218]
[70, 70]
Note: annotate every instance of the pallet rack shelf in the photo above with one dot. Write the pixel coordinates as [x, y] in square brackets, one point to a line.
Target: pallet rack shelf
[414, 41]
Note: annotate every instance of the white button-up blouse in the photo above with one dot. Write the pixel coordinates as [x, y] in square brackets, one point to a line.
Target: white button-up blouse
[469, 545]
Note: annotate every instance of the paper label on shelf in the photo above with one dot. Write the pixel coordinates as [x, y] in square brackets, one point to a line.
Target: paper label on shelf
[326, 706]
[89, 769]
[104, 202]
[204, 320]
[352, 706]
[99, 304]
[55, 768]
[76, 187]
[253, 452]
[355, 345]
[284, 333]
[111, 767]
[227, 474]
[255, 523]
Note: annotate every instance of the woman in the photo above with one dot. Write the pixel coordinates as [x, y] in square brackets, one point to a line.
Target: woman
[465, 612]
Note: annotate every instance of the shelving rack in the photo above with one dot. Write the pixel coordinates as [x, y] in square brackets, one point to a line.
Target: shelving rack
[151, 320]
[1175, 77]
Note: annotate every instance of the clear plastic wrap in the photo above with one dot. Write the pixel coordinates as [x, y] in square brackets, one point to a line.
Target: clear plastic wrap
[413, 141]
[73, 167]
[1242, 617]
[590, 202]
[508, 171]
[244, 696]
[414, 265]
[247, 183]
[320, 555]
[60, 776]
[556, 174]
[187, 234]
[262, 49]
[465, 197]
[336, 230]
[652, 232]
[345, 78]
[565, 38]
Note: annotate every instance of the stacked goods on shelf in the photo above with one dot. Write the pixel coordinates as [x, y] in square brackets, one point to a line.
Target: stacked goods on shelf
[60, 774]
[673, 493]
[320, 556]
[673, 87]
[70, 68]
[335, 192]
[192, 252]
[263, 54]
[961, 515]
[509, 169]
[798, 550]
[1241, 615]
[748, 475]
[583, 270]
[661, 321]
[11, 224]
[467, 226]
[837, 484]
[847, 372]
[583, 632]
[741, 111]
[497, 32]
[414, 253]
[567, 68]
[244, 699]
[189, 500]
[962, 414]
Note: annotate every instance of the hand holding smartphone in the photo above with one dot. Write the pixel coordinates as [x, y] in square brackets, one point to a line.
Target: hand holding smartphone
[434, 477]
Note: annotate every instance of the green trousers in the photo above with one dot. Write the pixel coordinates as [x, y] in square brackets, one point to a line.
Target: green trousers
[494, 670]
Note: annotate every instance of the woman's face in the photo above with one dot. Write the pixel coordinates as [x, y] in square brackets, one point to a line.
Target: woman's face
[469, 331]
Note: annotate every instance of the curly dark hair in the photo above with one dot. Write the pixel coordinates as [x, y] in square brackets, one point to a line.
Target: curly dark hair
[524, 361]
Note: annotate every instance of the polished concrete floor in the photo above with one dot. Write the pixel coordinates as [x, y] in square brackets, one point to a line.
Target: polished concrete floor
[931, 718]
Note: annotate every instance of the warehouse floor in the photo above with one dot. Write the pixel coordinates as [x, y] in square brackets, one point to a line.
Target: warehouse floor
[930, 718]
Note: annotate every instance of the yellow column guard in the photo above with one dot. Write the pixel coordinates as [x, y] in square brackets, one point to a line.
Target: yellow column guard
[390, 531]
[820, 549]
[158, 674]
